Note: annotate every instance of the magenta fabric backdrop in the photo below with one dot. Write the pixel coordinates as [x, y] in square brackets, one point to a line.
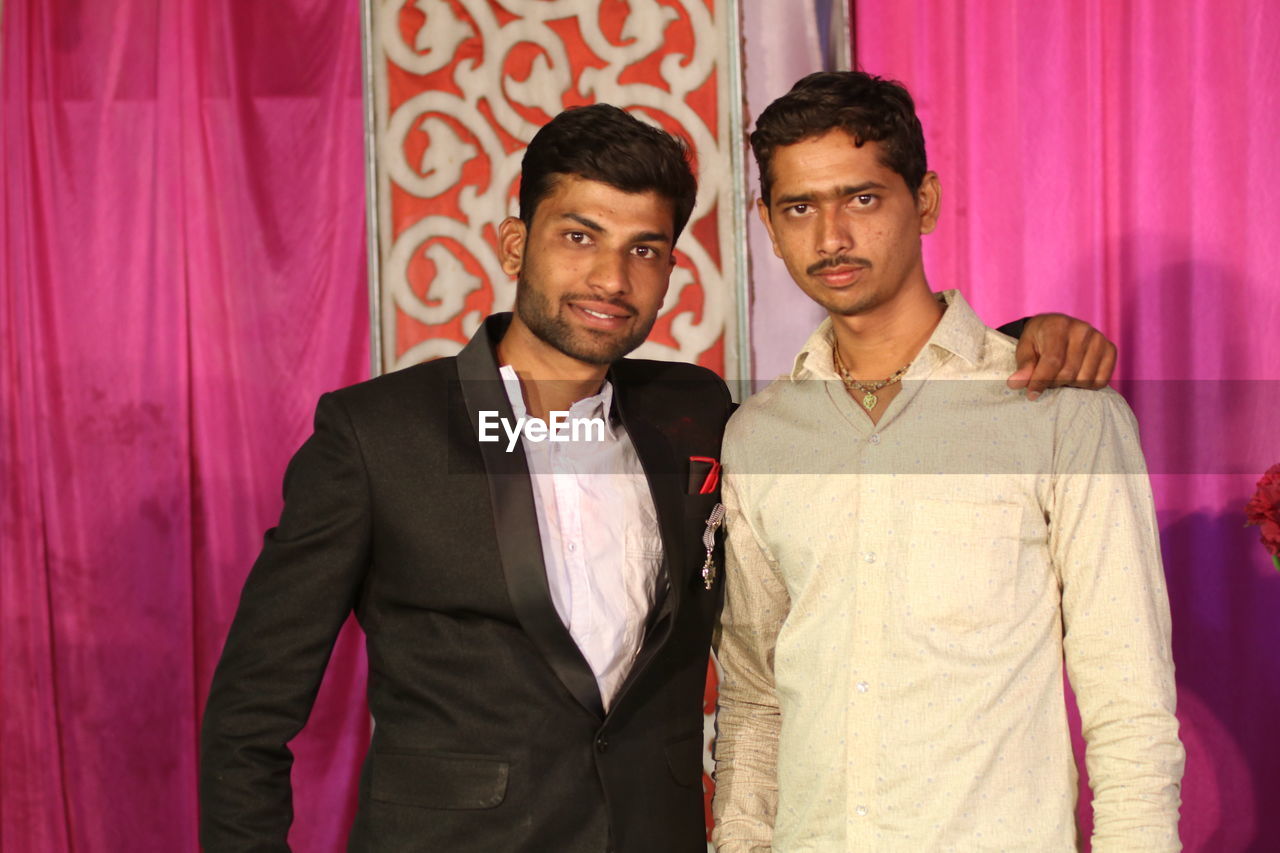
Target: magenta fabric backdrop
[1117, 160]
[183, 273]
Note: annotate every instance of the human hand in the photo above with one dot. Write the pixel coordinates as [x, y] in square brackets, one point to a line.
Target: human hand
[1057, 350]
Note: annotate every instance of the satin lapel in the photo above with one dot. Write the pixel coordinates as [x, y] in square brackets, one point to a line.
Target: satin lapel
[516, 519]
[666, 486]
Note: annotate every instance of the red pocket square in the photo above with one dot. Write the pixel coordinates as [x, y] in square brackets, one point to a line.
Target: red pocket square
[712, 478]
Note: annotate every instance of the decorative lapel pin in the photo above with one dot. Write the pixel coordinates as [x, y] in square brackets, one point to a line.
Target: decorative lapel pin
[709, 542]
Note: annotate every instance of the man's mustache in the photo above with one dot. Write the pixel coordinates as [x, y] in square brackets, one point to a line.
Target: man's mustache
[837, 261]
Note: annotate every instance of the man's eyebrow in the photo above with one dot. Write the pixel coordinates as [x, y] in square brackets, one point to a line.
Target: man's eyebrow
[651, 237]
[585, 222]
[838, 192]
[642, 237]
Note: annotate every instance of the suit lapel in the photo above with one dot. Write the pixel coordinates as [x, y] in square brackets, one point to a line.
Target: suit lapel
[516, 519]
[666, 486]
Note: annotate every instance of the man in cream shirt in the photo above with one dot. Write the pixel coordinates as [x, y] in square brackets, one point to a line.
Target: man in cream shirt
[914, 549]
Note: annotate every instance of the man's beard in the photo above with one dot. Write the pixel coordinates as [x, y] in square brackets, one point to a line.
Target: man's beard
[585, 345]
[861, 305]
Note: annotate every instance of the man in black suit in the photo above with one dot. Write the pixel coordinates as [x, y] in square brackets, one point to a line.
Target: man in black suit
[515, 708]
[537, 644]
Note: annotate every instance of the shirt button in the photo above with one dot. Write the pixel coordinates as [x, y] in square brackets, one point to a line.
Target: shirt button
[870, 556]
[860, 811]
[602, 744]
[573, 546]
[875, 438]
[862, 686]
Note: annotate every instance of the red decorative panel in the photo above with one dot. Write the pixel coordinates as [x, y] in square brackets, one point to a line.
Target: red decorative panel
[461, 85]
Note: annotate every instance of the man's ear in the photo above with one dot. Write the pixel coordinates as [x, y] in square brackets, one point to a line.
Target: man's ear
[928, 202]
[763, 210]
[511, 239]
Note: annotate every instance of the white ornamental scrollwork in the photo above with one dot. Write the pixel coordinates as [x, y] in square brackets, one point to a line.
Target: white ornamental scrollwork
[487, 101]
[434, 46]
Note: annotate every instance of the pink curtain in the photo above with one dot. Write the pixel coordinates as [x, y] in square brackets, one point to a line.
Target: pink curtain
[183, 273]
[1117, 160]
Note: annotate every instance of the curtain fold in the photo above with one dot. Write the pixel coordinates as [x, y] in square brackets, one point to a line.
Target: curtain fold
[183, 274]
[1113, 160]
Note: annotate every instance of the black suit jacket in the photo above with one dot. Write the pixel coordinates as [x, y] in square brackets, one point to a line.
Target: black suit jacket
[489, 731]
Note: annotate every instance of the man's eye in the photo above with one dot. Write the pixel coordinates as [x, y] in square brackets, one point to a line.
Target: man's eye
[645, 251]
[798, 209]
[576, 237]
[864, 200]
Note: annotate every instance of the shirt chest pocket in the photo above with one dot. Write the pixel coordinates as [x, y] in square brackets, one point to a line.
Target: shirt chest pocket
[961, 571]
[643, 536]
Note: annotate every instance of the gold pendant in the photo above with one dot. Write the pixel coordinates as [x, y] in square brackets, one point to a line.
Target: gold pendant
[869, 401]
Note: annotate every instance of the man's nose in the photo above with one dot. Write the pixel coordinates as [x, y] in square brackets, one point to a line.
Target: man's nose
[834, 234]
[608, 272]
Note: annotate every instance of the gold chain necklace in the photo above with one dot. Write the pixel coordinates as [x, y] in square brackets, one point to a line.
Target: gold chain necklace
[868, 389]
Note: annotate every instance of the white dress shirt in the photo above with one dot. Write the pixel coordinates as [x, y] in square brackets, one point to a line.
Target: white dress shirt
[901, 598]
[599, 531]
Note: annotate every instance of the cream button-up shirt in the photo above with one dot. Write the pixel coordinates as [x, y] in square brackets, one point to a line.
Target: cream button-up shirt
[900, 600]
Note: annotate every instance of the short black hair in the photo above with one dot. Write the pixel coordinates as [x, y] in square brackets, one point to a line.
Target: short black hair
[868, 108]
[602, 143]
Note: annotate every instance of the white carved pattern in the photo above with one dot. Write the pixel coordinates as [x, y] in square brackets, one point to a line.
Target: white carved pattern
[434, 46]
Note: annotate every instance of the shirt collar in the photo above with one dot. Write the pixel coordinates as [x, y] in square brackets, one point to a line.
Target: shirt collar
[598, 405]
[960, 332]
[816, 359]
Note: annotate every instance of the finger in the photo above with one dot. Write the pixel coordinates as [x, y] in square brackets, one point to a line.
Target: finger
[1018, 379]
[1108, 367]
[1050, 344]
[1091, 365]
[1073, 361]
[1025, 354]
[1042, 377]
